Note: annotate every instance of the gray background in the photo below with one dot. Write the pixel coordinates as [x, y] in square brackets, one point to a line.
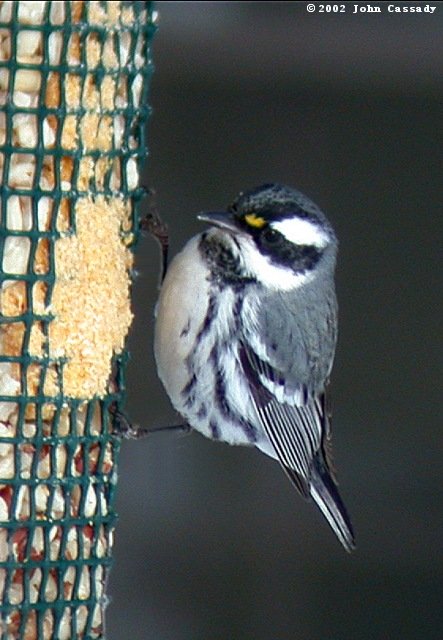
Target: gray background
[213, 542]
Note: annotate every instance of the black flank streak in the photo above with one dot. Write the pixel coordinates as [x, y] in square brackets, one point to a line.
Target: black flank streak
[189, 391]
[190, 385]
[210, 315]
[186, 328]
[206, 325]
[221, 401]
[238, 306]
[219, 384]
[202, 412]
[214, 430]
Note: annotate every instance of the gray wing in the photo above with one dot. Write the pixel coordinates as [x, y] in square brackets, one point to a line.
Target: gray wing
[297, 432]
[295, 334]
[287, 358]
[287, 382]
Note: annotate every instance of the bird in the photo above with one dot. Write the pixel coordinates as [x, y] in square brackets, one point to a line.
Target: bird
[245, 336]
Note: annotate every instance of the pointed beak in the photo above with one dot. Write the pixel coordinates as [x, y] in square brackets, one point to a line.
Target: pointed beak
[221, 219]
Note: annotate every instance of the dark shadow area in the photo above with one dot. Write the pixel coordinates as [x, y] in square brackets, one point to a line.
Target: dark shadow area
[213, 542]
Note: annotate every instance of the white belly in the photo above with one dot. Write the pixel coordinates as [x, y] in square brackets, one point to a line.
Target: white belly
[203, 377]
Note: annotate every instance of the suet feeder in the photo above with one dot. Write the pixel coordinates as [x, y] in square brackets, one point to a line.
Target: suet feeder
[73, 105]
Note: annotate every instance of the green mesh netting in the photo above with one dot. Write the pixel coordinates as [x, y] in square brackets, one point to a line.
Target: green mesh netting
[73, 105]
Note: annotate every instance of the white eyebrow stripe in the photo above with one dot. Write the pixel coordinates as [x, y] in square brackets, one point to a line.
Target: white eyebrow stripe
[301, 232]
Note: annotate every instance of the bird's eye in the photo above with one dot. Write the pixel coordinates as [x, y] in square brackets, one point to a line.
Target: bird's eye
[271, 236]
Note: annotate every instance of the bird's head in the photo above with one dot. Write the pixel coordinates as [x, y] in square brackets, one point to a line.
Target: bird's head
[280, 238]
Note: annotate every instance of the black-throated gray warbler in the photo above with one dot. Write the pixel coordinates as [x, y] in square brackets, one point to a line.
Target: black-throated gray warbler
[245, 336]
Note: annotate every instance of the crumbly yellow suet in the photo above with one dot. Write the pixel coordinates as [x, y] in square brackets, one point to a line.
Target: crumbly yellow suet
[13, 300]
[90, 299]
[107, 14]
[69, 133]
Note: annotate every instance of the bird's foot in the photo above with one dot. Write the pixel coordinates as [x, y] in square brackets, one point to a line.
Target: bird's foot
[153, 224]
[124, 428]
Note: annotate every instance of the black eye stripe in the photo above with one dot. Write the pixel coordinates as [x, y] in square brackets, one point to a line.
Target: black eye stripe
[282, 252]
[286, 253]
[272, 236]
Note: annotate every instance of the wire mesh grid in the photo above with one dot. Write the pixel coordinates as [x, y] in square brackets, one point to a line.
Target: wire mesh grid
[73, 105]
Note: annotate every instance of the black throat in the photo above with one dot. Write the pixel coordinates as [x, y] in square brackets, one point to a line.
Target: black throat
[223, 263]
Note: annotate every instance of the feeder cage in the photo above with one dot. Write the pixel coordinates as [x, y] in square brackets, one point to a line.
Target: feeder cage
[73, 106]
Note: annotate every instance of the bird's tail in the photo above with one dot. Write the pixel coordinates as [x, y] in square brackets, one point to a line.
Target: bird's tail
[325, 494]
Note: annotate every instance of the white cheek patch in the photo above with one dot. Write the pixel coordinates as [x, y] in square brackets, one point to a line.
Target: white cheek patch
[302, 232]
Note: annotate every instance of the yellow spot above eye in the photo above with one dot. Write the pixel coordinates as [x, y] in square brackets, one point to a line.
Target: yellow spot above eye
[255, 221]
